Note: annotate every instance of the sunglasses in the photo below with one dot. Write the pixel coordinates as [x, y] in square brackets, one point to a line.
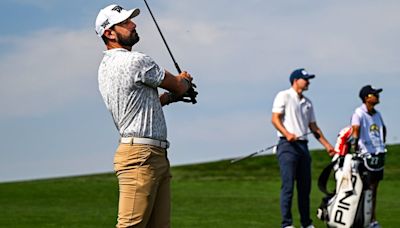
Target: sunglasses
[373, 95]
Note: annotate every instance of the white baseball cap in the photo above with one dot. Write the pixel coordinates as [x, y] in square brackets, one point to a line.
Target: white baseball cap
[111, 15]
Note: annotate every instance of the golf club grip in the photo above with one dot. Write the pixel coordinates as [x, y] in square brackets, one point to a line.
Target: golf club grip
[177, 68]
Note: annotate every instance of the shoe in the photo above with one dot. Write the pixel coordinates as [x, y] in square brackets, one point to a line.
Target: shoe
[291, 226]
[374, 225]
[309, 226]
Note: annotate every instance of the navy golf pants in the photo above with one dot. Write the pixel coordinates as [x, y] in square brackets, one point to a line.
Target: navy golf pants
[295, 167]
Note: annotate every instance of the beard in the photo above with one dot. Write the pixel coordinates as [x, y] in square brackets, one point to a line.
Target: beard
[128, 41]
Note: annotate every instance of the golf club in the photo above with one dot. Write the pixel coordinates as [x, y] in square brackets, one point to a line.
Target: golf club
[191, 93]
[266, 149]
[162, 36]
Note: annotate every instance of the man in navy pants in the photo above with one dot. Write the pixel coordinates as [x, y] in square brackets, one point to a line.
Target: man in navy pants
[293, 116]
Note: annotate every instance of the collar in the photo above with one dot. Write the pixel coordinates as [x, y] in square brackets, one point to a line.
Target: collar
[364, 109]
[115, 50]
[293, 93]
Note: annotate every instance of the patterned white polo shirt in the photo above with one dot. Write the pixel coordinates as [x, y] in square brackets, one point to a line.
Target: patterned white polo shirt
[128, 83]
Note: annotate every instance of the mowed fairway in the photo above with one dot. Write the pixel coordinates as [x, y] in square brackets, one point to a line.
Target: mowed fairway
[214, 194]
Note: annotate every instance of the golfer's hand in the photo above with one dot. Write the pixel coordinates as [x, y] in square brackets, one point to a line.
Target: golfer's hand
[291, 137]
[185, 75]
[331, 151]
[354, 147]
[329, 148]
[191, 93]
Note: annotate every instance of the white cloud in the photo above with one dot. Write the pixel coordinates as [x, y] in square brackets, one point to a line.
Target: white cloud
[50, 69]
[253, 36]
[240, 54]
[43, 4]
[224, 48]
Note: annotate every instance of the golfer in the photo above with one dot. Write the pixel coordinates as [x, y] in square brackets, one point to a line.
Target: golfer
[369, 137]
[293, 117]
[128, 83]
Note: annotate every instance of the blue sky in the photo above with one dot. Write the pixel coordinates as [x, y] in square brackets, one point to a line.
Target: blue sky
[53, 121]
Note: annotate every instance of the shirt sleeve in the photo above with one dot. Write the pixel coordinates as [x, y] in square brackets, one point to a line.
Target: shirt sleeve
[380, 117]
[355, 119]
[279, 103]
[151, 73]
[312, 114]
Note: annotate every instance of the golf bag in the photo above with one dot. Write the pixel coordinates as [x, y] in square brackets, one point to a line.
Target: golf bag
[350, 205]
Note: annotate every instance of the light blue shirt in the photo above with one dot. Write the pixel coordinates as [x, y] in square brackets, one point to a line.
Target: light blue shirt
[371, 130]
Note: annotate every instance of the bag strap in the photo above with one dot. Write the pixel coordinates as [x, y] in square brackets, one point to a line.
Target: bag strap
[323, 179]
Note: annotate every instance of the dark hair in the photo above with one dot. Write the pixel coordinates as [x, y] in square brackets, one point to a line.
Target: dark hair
[104, 38]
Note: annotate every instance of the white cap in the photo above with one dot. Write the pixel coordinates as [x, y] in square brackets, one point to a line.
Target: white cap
[111, 15]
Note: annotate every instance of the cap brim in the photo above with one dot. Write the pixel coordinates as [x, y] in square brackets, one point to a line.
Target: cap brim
[378, 90]
[128, 14]
[310, 76]
[134, 12]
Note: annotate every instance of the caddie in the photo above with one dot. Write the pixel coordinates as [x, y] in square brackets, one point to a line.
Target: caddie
[369, 137]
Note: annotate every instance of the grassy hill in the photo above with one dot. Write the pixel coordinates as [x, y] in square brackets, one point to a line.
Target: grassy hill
[214, 194]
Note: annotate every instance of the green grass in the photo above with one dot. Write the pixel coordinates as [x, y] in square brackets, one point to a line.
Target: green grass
[214, 194]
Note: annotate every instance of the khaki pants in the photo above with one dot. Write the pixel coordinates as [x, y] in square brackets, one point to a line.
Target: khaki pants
[143, 173]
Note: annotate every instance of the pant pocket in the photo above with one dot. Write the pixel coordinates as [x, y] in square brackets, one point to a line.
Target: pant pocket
[130, 156]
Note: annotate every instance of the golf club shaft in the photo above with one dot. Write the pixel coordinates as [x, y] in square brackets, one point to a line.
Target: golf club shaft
[162, 36]
[252, 155]
[260, 151]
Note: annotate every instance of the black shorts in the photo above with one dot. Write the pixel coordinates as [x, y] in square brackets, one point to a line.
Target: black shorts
[375, 176]
[374, 165]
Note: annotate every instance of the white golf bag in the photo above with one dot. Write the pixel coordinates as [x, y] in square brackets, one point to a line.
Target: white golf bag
[350, 205]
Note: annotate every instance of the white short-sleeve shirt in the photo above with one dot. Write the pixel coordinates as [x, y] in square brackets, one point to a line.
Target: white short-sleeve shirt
[128, 83]
[371, 130]
[297, 112]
